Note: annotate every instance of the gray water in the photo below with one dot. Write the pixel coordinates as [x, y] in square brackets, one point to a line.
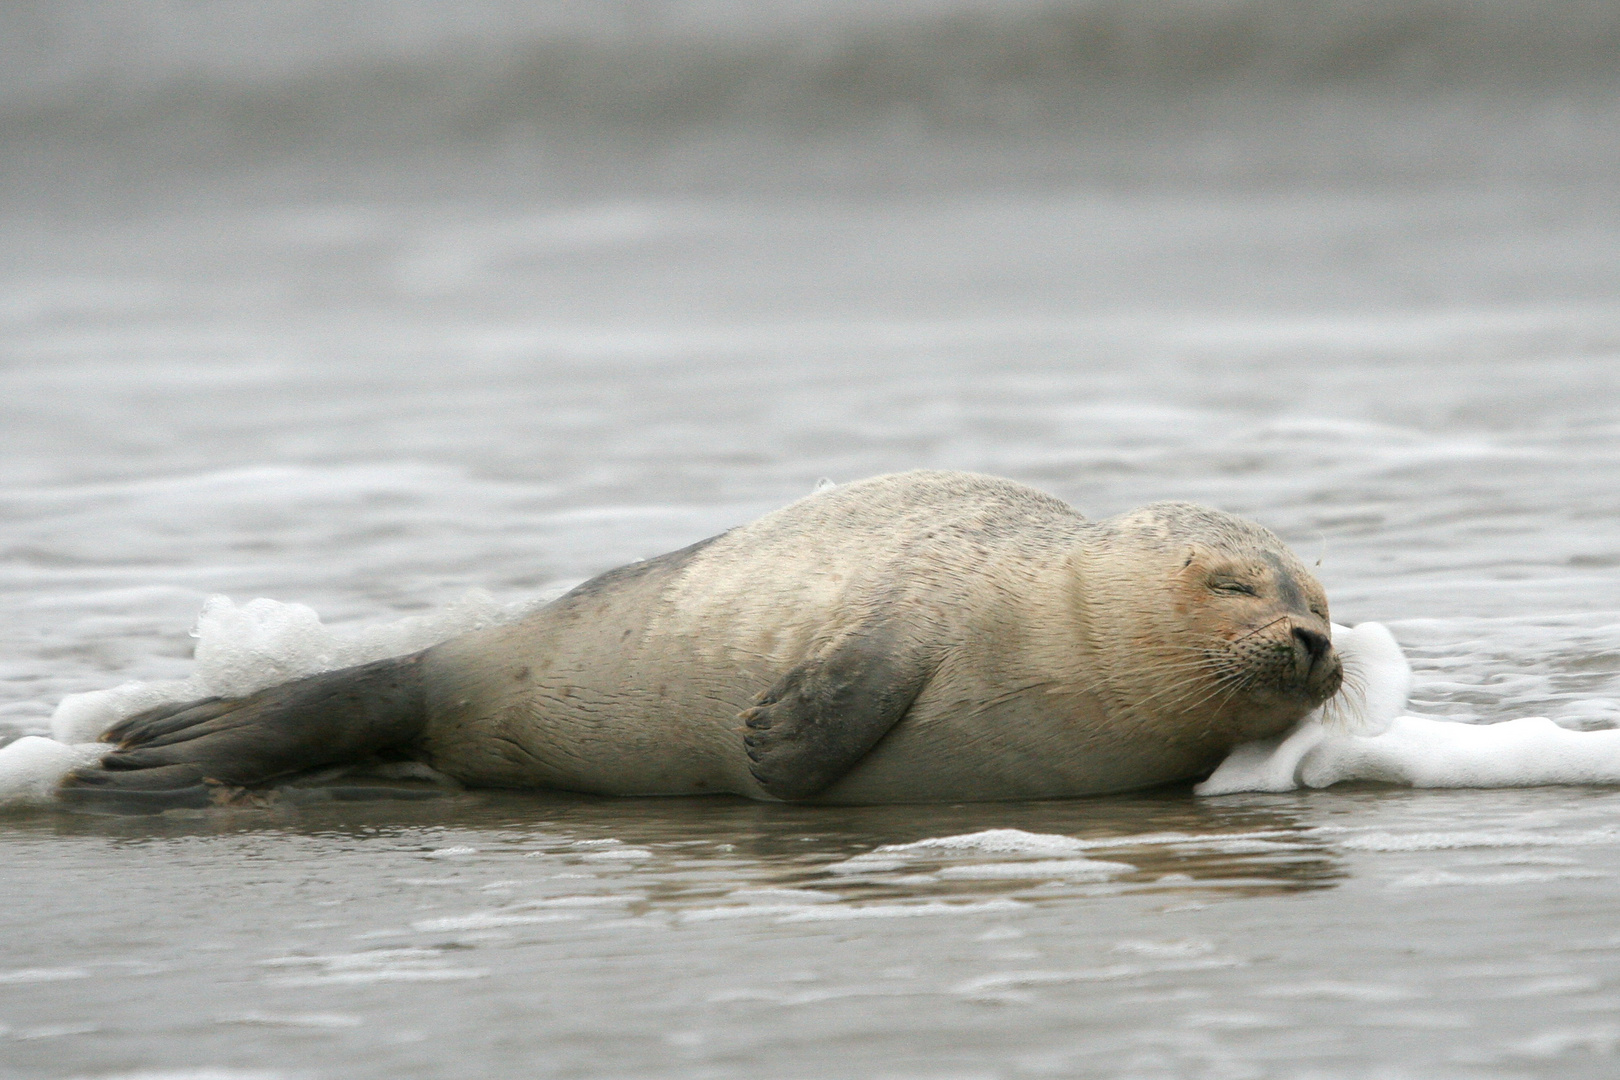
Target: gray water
[1369, 298]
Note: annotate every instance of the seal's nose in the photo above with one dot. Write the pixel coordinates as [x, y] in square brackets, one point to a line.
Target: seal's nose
[1316, 645]
[1316, 664]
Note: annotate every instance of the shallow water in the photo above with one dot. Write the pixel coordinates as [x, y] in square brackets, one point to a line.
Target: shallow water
[255, 406]
[372, 403]
[1334, 934]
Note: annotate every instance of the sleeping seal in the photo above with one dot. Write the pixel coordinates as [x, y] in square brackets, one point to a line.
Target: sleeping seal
[918, 637]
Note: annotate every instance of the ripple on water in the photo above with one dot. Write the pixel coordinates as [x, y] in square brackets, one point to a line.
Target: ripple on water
[41, 975]
[374, 966]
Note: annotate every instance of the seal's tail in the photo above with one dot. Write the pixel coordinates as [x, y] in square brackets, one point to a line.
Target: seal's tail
[193, 754]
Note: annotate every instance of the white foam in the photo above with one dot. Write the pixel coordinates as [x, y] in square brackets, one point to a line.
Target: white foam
[490, 920]
[840, 912]
[240, 649]
[766, 895]
[1039, 869]
[986, 842]
[31, 767]
[1361, 735]
[320, 1021]
[742, 911]
[1331, 990]
[1428, 879]
[374, 966]
[1446, 841]
[1429, 753]
[1377, 681]
[966, 845]
[34, 975]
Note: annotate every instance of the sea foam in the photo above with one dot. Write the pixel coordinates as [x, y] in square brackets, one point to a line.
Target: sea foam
[241, 648]
[1363, 733]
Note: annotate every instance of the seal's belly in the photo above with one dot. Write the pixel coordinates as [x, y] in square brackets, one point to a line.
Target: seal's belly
[1019, 752]
[507, 710]
[647, 726]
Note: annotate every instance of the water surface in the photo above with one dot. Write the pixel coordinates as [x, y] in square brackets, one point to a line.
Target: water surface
[1351, 312]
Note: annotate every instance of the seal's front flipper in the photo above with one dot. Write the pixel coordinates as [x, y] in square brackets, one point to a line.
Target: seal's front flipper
[823, 716]
[175, 754]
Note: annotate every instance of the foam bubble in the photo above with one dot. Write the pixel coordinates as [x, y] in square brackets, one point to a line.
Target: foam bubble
[31, 767]
[1377, 681]
[491, 920]
[324, 1021]
[1438, 754]
[1361, 735]
[988, 842]
[1039, 869]
[840, 912]
[1446, 841]
[241, 648]
[1002, 842]
[34, 975]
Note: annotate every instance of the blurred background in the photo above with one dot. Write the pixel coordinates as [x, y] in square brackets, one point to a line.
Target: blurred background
[119, 100]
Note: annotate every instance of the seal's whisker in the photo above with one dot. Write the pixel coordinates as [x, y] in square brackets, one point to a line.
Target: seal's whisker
[1226, 689]
[1229, 684]
[1258, 629]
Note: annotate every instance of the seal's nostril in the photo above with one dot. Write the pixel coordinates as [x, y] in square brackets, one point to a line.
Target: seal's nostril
[1316, 645]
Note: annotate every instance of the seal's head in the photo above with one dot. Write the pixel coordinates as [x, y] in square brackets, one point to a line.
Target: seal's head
[1244, 642]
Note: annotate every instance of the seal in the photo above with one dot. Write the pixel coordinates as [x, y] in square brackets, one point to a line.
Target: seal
[916, 637]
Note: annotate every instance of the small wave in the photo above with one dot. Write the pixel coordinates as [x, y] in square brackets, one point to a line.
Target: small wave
[318, 1021]
[1329, 990]
[1429, 879]
[38, 975]
[186, 1074]
[842, 912]
[987, 842]
[490, 920]
[1445, 841]
[376, 966]
[1039, 869]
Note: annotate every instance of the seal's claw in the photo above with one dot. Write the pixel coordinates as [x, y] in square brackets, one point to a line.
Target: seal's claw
[137, 790]
[166, 777]
[164, 720]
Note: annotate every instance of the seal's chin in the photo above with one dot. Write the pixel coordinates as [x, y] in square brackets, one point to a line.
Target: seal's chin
[1323, 679]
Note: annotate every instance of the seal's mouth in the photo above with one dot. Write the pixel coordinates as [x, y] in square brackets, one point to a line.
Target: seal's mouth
[1318, 672]
[1285, 660]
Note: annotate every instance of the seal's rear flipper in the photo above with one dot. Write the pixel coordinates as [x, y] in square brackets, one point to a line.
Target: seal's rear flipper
[183, 755]
[819, 719]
